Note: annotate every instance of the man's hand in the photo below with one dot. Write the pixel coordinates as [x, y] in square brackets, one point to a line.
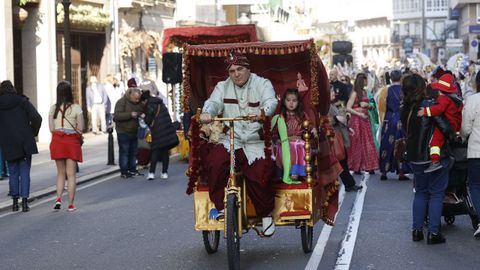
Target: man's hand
[205, 118]
[257, 117]
[420, 112]
[134, 114]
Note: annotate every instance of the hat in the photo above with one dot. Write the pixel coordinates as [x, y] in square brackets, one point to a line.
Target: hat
[238, 59]
[132, 83]
[445, 84]
[438, 72]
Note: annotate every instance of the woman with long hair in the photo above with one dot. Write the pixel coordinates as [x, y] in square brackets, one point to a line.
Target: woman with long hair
[362, 154]
[429, 187]
[66, 124]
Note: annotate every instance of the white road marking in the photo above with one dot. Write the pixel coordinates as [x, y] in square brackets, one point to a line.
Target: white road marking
[44, 201]
[319, 249]
[348, 244]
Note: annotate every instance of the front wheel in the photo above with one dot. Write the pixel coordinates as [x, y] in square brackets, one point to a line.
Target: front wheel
[233, 239]
[307, 238]
[211, 240]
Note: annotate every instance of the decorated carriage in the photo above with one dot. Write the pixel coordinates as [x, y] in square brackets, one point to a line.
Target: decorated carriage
[300, 205]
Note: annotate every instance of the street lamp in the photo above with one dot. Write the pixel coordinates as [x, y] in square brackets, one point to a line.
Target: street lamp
[66, 37]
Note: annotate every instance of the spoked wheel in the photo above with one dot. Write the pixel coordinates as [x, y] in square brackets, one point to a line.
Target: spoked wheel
[233, 239]
[449, 219]
[307, 238]
[211, 240]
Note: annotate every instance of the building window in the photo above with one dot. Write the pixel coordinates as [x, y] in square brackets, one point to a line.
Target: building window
[439, 28]
[478, 13]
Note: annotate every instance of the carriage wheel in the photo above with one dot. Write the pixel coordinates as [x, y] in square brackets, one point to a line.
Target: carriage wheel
[307, 238]
[449, 219]
[233, 240]
[211, 240]
[475, 221]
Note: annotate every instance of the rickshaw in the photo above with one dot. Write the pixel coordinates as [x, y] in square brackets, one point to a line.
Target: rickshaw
[300, 205]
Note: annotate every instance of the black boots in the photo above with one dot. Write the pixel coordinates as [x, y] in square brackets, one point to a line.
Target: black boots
[15, 205]
[25, 207]
[433, 239]
[417, 235]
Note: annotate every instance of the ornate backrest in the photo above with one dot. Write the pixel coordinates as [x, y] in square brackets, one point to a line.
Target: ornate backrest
[280, 62]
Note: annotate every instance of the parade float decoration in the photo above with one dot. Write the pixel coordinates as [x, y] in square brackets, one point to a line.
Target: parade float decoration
[298, 205]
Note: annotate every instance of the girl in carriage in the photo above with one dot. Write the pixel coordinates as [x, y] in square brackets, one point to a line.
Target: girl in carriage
[289, 151]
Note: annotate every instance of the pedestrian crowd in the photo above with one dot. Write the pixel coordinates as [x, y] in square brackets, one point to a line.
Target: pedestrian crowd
[133, 113]
[410, 121]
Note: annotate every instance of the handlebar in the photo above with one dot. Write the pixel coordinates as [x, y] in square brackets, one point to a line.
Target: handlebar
[238, 118]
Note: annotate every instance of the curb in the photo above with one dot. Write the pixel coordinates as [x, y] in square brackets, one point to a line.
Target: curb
[4, 206]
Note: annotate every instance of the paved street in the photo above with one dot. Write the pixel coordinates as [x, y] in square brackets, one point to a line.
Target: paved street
[137, 224]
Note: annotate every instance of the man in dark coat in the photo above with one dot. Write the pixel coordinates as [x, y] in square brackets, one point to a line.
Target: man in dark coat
[127, 111]
[20, 124]
[164, 135]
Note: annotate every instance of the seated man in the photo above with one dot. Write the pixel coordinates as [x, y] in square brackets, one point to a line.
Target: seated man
[243, 93]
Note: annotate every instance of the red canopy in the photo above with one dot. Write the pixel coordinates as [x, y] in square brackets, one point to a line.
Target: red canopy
[208, 35]
[280, 62]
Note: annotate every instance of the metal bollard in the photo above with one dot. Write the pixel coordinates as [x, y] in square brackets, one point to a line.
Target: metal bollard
[111, 154]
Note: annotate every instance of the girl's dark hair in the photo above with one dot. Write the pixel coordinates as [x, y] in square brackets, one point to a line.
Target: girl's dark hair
[413, 89]
[359, 84]
[299, 109]
[145, 95]
[64, 96]
[6, 87]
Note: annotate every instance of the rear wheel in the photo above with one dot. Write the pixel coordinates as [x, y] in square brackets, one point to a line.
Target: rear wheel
[211, 240]
[307, 238]
[449, 219]
[233, 239]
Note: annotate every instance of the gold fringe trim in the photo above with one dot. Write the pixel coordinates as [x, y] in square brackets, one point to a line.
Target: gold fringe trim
[185, 95]
[330, 192]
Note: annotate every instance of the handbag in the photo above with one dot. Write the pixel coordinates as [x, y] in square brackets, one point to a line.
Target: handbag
[148, 136]
[339, 146]
[148, 132]
[400, 146]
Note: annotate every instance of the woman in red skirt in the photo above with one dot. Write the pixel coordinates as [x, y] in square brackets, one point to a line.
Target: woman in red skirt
[66, 124]
[362, 154]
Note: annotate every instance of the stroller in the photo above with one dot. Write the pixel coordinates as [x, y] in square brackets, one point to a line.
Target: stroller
[458, 184]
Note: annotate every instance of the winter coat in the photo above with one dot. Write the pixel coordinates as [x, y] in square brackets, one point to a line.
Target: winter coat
[471, 125]
[419, 132]
[124, 122]
[20, 123]
[163, 131]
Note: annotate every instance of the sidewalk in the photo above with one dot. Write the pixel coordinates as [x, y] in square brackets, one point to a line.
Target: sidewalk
[43, 173]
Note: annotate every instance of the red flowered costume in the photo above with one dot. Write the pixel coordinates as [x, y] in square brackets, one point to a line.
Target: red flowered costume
[445, 107]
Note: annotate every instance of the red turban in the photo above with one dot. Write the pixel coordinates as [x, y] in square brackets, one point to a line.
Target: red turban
[238, 59]
[132, 83]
